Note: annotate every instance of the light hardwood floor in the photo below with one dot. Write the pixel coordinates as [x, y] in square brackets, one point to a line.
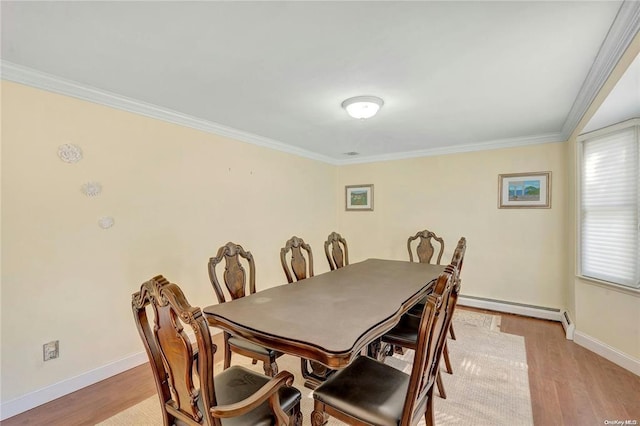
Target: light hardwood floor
[569, 385]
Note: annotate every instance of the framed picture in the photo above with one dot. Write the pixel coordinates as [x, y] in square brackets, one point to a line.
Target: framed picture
[358, 197]
[524, 190]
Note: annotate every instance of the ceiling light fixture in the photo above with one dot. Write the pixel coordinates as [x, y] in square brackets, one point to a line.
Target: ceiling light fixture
[362, 106]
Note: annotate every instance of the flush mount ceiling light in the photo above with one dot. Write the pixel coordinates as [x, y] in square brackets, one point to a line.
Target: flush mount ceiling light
[362, 106]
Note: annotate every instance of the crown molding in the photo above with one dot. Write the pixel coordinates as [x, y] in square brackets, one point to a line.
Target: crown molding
[621, 33]
[55, 84]
[457, 149]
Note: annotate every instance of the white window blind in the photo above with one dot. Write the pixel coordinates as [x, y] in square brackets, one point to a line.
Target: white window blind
[609, 231]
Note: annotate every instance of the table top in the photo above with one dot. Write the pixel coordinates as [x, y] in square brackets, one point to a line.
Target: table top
[329, 317]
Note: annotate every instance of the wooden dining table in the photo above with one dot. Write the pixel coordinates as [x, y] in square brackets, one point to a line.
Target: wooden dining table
[331, 317]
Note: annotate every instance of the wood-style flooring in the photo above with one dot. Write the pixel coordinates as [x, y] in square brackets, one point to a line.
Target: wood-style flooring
[569, 385]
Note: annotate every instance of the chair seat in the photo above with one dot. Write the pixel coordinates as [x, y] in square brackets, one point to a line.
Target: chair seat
[383, 401]
[237, 383]
[241, 343]
[405, 333]
[417, 309]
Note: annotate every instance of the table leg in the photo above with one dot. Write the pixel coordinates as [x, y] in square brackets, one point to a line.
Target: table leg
[314, 373]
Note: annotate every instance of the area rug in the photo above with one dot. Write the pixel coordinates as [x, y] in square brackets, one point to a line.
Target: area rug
[489, 384]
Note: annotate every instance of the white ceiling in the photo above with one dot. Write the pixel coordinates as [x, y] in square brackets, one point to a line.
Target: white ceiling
[455, 76]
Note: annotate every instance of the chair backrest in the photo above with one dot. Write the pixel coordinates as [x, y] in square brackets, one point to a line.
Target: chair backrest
[336, 250]
[425, 249]
[234, 275]
[458, 255]
[171, 354]
[431, 334]
[300, 268]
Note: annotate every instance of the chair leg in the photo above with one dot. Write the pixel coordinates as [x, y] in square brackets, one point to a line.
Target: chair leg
[447, 361]
[227, 351]
[270, 368]
[453, 333]
[296, 416]
[441, 390]
[384, 351]
[318, 416]
[429, 415]
[373, 348]
[304, 368]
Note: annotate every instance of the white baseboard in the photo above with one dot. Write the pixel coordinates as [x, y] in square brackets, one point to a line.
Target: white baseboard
[511, 308]
[567, 324]
[612, 354]
[49, 393]
[56, 390]
[562, 315]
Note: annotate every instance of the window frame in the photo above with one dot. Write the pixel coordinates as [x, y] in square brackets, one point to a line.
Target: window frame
[581, 139]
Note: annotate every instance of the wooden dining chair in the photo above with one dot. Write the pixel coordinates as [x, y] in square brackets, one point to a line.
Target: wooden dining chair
[188, 391]
[298, 267]
[422, 243]
[424, 254]
[336, 250]
[405, 333]
[424, 249]
[234, 279]
[370, 392]
[458, 260]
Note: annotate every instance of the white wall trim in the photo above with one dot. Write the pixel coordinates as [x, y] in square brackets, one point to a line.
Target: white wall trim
[456, 149]
[621, 33]
[594, 345]
[612, 354]
[55, 84]
[511, 308]
[56, 390]
[51, 83]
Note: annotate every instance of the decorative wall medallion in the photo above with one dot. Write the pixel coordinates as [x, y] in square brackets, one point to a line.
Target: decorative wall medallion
[91, 189]
[106, 222]
[70, 153]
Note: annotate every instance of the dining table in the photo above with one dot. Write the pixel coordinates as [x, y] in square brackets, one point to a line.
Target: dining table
[331, 317]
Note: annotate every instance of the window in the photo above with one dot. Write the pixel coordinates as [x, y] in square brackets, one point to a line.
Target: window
[609, 204]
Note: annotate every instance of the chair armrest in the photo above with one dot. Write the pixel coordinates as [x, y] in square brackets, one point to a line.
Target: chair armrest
[267, 392]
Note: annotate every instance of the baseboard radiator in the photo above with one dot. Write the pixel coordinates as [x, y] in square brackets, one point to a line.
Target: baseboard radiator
[542, 312]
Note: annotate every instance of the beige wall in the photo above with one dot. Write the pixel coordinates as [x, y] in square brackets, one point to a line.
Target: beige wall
[513, 255]
[176, 195]
[609, 316]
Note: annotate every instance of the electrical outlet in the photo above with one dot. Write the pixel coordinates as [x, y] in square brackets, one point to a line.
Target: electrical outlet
[51, 350]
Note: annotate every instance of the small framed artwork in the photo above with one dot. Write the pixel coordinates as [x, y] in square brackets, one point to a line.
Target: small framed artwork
[524, 190]
[359, 197]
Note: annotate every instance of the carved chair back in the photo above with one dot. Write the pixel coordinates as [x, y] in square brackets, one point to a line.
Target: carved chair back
[457, 260]
[431, 338]
[171, 354]
[234, 276]
[425, 249]
[458, 255]
[335, 248]
[298, 267]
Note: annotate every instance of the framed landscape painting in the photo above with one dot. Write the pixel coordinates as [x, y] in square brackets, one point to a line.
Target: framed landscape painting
[359, 197]
[524, 190]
